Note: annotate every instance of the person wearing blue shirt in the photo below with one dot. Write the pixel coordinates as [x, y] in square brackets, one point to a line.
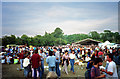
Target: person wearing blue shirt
[51, 60]
[57, 55]
[78, 50]
[69, 51]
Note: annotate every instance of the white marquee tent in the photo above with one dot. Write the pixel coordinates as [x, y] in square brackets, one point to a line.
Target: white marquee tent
[106, 43]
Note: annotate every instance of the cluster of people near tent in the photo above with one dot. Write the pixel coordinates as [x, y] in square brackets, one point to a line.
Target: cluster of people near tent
[32, 60]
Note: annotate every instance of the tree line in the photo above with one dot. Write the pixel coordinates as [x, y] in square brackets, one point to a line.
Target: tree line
[58, 38]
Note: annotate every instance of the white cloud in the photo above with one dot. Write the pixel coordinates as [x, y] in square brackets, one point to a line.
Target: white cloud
[71, 20]
[68, 26]
[75, 26]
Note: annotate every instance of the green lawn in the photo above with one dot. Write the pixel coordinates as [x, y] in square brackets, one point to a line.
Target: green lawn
[9, 71]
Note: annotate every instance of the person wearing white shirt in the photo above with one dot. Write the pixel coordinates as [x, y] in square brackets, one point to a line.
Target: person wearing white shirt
[26, 63]
[31, 53]
[83, 54]
[111, 70]
[72, 60]
[110, 50]
[39, 50]
[87, 58]
[8, 59]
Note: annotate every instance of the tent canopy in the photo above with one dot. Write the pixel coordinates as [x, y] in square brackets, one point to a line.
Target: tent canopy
[106, 42]
[88, 41]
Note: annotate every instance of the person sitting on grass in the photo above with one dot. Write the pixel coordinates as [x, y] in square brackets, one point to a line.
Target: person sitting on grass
[8, 59]
[87, 58]
[16, 60]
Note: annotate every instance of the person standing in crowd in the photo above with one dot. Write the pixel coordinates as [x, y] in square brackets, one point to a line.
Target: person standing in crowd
[100, 54]
[36, 63]
[21, 57]
[10, 49]
[88, 72]
[42, 54]
[57, 55]
[111, 70]
[116, 58]
[51, 61]
[95, 71]
[72, 60]
[89, 52]
[65, 61]
[111, 50]
[83, 54]
[26, 63]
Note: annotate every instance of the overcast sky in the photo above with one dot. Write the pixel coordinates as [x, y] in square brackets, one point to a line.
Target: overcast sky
[60, 0]
[33, 18]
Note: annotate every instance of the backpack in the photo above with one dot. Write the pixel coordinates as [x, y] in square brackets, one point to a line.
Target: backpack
[88, 73]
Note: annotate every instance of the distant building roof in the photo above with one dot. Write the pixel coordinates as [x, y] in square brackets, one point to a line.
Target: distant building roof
[88, 41]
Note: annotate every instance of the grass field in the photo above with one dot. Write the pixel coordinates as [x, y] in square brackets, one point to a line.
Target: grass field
[11, 72]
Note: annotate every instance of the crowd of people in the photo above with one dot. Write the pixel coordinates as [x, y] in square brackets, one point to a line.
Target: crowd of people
[32, 59]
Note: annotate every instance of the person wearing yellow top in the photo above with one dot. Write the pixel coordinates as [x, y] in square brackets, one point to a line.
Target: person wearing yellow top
[15, 60]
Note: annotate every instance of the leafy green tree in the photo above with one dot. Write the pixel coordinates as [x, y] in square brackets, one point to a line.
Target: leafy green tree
[108, 35]
[49, 39]
[75, 37]
[18, 41]
[58, 33]
[24, 39]
[8, 40]
[5, 40]
[94, 35]
[57, 38]
[116, 37]
[13, 39]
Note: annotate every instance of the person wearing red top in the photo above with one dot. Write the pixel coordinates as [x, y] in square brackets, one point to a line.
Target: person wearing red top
[21, 57]
[100, 53]
[36, 62]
